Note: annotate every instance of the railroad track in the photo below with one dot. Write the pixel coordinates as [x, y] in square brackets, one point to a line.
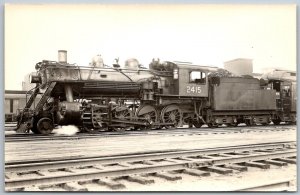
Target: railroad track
[181, 131]
[110, 173]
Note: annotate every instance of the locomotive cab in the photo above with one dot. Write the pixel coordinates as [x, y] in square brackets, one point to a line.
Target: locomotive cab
[191, 80]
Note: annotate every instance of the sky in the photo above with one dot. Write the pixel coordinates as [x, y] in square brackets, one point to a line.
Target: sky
[198, 33]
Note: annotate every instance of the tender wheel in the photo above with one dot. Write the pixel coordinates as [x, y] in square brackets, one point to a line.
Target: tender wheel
[235, 124]
[294, 120]
[264, 124]
[44, 126]
[232, 124]
[249, 122]
[172, 114]
[197, 124]
[276, 121]
[89, 130]
[211, 125]
[119, 129]
[148, 112]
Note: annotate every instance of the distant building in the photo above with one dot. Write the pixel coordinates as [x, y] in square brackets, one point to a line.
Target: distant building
[26, 85]
[257, 75]
[239, 66]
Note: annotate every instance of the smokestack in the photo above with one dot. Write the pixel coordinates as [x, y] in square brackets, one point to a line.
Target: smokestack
[62, 56]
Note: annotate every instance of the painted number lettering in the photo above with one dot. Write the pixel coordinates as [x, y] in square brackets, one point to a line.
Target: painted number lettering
[193, 89]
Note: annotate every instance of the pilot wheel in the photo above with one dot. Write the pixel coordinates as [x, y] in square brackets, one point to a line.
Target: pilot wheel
[44, 126]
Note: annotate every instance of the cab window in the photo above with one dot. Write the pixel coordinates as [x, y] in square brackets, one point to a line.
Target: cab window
[197, 77]
[286, 91]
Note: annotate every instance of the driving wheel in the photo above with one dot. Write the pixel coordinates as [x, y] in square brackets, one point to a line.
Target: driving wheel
[172, 114]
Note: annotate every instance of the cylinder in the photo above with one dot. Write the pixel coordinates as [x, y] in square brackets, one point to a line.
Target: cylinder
[62, 56]
[69, 93]
[68, 113]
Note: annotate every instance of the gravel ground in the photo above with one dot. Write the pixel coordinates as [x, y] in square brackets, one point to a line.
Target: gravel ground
[130, 144]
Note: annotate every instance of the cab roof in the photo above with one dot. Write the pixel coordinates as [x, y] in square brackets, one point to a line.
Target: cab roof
[190, 66]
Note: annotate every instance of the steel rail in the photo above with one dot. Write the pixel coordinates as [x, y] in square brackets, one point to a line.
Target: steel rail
[28, 137]
[70, 177]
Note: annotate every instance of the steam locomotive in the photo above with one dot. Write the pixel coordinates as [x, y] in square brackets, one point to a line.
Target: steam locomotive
[167, 95]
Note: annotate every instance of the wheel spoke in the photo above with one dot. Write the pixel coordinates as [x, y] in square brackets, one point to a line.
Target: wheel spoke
[152, 115]
[172, 114]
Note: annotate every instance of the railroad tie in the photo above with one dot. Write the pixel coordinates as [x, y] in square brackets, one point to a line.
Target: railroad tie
[181, 159]
[73, 186]
[290, 146]
[257, 164]
[138, 179]
[31, 188]
[26, 173]
[193, 172]
[266, 150]
[205, 157]
[175, 160]
[125, 164]
[147, 162]
[274, 162]
[216, 169]
[288, 160]
[88, 181]
[15, 189]
[241, 153]
[225, 155]
[166, 176]
[187, 158]
[69, 170]
[42, 172]
[236, 167]
[109, 183]
[98, 167]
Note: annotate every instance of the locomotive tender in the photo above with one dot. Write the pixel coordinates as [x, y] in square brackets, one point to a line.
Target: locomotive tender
[168, 94]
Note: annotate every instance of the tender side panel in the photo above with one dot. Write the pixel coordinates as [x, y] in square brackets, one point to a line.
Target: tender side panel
[242, 94]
